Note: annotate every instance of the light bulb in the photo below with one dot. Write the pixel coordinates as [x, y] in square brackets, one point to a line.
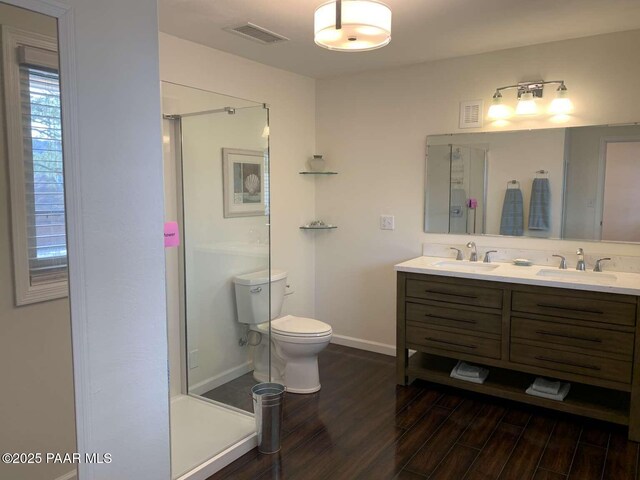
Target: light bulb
[561, 105]
[527, 104]
[498, 110]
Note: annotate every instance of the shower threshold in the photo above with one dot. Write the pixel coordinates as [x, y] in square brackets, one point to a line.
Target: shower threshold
[206, 437]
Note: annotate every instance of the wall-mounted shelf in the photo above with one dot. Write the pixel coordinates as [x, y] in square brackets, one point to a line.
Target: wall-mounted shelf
[323, 227]
[318, 173]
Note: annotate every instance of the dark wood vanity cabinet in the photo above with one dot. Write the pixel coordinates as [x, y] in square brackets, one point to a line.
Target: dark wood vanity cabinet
[519, 332]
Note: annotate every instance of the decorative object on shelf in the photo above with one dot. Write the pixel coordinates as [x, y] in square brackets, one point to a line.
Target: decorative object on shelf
[243, 182]
[316, 164]
[352, 25]
[318, 225]
[527, 93]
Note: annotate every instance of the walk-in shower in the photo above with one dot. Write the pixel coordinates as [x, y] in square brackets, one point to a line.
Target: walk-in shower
[216, 153]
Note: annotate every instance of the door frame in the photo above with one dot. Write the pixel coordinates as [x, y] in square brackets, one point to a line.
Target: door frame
[602, 172]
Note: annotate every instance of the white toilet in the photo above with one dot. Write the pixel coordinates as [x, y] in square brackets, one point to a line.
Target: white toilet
[296, 341]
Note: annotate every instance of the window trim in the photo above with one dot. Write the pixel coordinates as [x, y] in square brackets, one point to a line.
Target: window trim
[25, 292]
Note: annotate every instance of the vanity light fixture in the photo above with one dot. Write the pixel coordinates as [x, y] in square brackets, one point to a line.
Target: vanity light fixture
[561, 105]
[528, 93]
[498, 110]
[527, 105]
[352, 25]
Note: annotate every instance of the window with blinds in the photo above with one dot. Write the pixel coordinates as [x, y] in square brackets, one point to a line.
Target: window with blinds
[42, 134]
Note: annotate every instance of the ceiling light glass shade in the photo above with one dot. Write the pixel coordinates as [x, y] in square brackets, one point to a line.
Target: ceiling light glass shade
[366, 25]
[498, 110]
[561, 105]
[527, 105]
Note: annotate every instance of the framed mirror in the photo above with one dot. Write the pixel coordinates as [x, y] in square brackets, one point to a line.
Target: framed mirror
[557, 183]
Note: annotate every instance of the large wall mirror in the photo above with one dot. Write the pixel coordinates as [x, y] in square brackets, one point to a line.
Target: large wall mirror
[558, 183]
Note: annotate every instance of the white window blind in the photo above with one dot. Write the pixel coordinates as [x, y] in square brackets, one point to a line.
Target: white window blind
[43, 166]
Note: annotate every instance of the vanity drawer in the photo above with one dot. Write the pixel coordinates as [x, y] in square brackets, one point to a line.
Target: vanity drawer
[452, 293]
[581, 308]
[583, 337]
[571, 362]
[452, 342]
[454, 318]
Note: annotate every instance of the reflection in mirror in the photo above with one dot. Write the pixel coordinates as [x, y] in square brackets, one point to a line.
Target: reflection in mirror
[35, 321]
[569, 183]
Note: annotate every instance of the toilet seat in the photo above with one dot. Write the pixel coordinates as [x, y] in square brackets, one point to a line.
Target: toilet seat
[291, 327]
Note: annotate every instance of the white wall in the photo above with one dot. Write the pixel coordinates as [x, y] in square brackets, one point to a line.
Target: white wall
[291, 99]
[371, 127]
[119, 314]
[36, 405]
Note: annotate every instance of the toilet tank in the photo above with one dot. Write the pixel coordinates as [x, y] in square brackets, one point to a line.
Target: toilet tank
[252, 295]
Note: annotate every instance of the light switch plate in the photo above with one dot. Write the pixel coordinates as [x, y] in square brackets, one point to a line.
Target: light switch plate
[387, 222]
[193, 359]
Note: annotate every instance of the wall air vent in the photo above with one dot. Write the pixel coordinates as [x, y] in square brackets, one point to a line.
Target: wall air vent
[257, 34]
[471, 114]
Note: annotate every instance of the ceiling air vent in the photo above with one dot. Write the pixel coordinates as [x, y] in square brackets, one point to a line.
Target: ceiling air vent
[471, 114]
[257, 34]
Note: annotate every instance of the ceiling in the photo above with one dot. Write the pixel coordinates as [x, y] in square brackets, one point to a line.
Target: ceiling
[422, 30]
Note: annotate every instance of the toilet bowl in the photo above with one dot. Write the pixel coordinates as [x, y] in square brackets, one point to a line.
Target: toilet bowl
[296, 341]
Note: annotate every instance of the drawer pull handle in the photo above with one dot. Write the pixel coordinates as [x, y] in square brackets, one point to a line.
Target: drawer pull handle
[462, 295]
[473, 322]
[450, 343]
[559, 307]
[564, 362]
[572, 337]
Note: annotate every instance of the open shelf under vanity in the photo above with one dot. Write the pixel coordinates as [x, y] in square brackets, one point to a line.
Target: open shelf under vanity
[586, 400]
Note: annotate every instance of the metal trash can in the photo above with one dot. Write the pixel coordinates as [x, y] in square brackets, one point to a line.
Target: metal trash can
[268, 400]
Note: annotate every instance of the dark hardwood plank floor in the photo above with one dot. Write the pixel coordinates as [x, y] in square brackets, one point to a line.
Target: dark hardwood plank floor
[363, 426]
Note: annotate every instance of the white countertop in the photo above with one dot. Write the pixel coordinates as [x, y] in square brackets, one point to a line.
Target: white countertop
[542, 275]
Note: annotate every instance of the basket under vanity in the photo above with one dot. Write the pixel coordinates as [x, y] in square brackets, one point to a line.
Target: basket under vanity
[520, 331]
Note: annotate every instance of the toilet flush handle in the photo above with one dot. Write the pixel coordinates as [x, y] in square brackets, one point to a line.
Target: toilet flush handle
[256, 290]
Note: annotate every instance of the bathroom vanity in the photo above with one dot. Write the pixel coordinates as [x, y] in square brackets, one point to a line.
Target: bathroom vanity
[522, 323]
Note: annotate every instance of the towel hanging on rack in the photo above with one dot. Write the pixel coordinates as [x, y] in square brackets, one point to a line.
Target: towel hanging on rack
[540, 205]
[512, 220]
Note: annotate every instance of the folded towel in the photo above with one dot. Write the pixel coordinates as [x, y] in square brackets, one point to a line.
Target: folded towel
[512, 221]
[468, 370]
[544, 385]
[482, 375]
[540, 205]
[560, 396]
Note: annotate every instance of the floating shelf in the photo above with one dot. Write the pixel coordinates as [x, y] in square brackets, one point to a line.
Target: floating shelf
[318, 173]
[323, 227]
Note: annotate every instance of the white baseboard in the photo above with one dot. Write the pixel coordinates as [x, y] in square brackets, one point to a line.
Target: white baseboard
[220, 379]
[67, 476]
[361, 344]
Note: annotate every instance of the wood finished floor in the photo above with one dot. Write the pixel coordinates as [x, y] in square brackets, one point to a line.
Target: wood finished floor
[362, 426]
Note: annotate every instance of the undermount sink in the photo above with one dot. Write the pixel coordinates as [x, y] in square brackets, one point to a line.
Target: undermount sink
[466, 266]
[577, 275]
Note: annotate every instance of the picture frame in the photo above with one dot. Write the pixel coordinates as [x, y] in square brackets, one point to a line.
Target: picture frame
[244, 182]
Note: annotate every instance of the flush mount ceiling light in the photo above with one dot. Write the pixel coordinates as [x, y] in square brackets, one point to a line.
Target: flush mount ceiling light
[352, 25]
[528, 93]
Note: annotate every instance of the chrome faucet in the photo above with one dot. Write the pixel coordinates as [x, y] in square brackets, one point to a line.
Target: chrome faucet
[487, 258]
[459, 255]
[598, 267]
[473, 256]
[563, 262]
[581, 265]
